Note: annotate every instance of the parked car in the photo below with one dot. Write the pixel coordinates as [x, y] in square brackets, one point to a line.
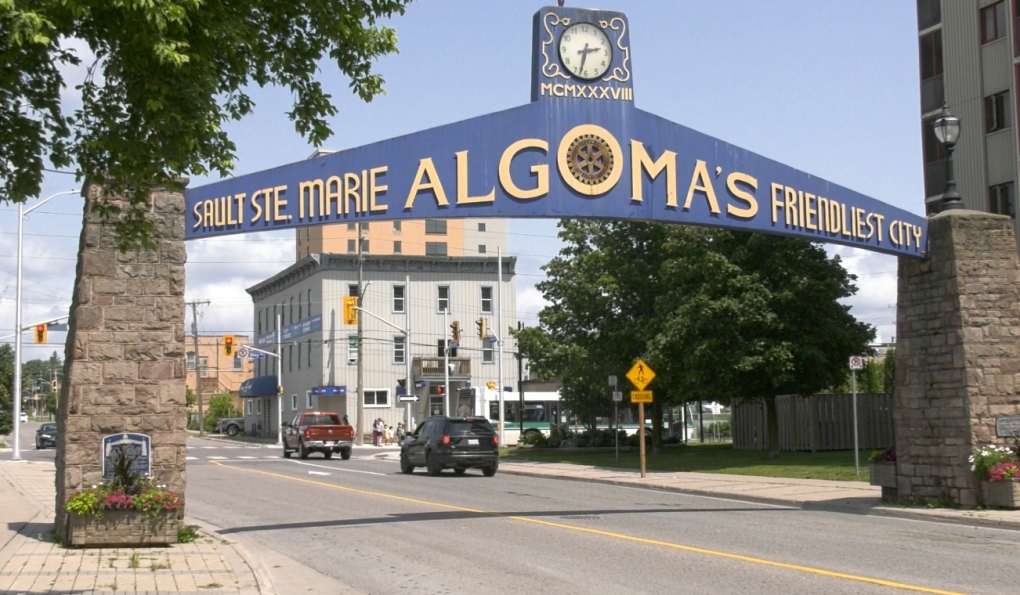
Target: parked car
[230, 426]
[24, 417]
[458, 443]
[46, 435]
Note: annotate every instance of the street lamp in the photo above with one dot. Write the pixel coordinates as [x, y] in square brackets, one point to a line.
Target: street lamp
[22, 211]
[947, 130]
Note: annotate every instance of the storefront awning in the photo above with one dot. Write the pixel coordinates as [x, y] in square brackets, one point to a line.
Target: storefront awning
[259, 386]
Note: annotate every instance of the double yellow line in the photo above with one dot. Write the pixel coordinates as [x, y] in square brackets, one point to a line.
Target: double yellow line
[610, 534]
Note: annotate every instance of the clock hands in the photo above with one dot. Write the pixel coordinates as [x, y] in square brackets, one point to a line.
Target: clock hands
[584, 55]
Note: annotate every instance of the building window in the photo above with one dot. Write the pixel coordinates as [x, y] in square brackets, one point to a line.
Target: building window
[309, 353]
[309, 302]
[1000, 199]
[399, 351]
[398, 298]
[487, 357]
[435, 226]
[929, 13]
[308, 399]
[298, 356]
[290, 312]
[397, 247]
[190, 360]
[481, 227]
[364, 246]
[364, 226]
[258, 406]
[352, 226]
[238, 364]
[396, 226]
[352, 349]
[351, 246]
[443, 298]
[487, 300]
[377, 398]
[993, 22]
[293, 402]
[932, 90]
[444, 344]
[203, 363]
[995, 112]
[290, 358]
[481, 248]
[435, 248]
[352, 290]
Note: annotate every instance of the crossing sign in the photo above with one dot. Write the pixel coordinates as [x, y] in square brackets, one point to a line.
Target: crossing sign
[640, 374]
[640, 396]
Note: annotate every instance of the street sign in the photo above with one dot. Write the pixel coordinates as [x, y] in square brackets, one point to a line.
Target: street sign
[243, 352]
[640, 396]
[640, 374]
[256, 355]
[612, 381]
[617, 396]
[408, 398]
[856, 362]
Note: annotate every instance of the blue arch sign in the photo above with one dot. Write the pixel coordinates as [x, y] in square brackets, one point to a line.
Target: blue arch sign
[579, 149]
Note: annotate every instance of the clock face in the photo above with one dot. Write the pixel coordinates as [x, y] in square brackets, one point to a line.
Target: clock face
[585, 51]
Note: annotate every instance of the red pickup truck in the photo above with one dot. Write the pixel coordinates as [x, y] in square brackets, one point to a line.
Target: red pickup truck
[317, 431]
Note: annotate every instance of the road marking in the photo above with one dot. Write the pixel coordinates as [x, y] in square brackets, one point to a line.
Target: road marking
[318, 473]
[610, 534]
[246, 457]
[214, 458]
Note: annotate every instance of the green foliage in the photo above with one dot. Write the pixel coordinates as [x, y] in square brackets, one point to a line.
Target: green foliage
[169, 75]
[6, 382]
[535, 439]
[987, 457]
[221, 405]
[186, 534]
[190, 398]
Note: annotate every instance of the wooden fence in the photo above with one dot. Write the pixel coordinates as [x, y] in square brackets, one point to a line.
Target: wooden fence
[816, 422]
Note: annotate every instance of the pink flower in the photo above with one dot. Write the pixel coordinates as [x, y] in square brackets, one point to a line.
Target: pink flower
[1003, 471]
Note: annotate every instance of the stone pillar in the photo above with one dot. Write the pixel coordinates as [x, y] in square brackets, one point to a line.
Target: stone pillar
[957, 352]
[124, 361]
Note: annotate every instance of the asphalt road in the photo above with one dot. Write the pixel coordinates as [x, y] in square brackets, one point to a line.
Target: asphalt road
[367, 525]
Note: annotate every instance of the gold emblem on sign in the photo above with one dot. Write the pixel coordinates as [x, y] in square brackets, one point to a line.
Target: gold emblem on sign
[590, 159]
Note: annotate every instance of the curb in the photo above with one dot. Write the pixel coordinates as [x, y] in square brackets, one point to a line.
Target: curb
[263, 580]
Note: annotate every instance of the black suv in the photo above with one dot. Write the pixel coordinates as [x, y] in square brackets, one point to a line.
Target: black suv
[46, 435]
[451, 442]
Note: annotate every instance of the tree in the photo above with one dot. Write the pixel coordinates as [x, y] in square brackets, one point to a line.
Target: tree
[602, 290]
[757, 316]
[161, 80]
[6, 382]
[221, 405]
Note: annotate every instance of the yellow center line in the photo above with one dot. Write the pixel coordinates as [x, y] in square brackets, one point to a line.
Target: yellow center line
[621, 536]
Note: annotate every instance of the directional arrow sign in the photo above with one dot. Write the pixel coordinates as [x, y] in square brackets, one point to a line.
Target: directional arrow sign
[408, 398]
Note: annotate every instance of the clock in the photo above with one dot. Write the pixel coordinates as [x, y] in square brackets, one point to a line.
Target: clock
[585, 51]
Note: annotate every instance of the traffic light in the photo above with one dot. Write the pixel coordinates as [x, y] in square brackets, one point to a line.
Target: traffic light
[40, 333]
[455, 327]
[480, 323]
[350, 309]
[228, 345]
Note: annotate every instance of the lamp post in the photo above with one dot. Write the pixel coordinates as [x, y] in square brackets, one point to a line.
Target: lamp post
[947, 130]
[16, 393]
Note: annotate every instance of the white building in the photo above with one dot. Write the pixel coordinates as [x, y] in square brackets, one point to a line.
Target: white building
[319, 364]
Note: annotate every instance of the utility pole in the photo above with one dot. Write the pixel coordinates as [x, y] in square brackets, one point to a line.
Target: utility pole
[198, 363]
[360, 437]
[499, 325]
[520, 379]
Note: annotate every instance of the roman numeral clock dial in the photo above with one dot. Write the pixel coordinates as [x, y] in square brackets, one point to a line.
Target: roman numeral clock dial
[585, 51]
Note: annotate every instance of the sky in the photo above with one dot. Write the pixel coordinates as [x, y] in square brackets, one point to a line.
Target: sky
[828, 88]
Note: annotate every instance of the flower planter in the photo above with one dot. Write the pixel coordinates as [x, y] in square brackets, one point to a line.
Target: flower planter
[1001, 494]
[123, 528]
[884, 474]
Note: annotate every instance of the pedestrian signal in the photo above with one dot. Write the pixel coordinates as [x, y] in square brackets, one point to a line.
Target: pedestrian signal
[40, 333]
[350, 309]
[228, 345]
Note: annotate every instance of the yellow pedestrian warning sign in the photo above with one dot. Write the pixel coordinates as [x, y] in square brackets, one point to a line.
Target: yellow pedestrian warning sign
[640, 396]
[640, 374]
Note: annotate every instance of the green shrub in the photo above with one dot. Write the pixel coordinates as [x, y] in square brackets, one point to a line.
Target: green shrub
[535, 439]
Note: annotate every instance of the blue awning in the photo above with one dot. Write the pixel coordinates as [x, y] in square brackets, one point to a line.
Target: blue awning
[259, 386]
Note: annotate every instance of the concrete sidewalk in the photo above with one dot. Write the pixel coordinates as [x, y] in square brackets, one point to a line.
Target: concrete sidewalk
[30, 562]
